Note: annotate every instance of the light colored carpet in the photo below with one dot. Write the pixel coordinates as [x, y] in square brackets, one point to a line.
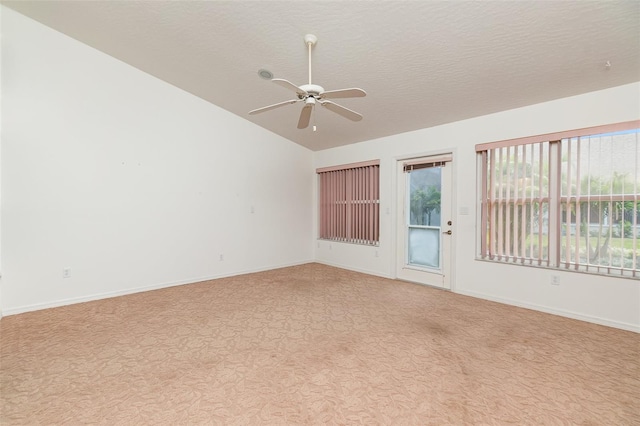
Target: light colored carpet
[313, 345]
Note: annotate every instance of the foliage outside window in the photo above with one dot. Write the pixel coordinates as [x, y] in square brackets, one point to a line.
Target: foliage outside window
[425, 206]
[569, 200]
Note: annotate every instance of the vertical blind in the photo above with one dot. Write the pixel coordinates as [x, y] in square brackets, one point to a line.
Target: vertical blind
[565, 200]
[515, 193]
[599, 203]
[349, 199]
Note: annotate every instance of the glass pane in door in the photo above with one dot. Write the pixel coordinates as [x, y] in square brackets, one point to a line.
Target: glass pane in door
[424, 227]
[424, 247]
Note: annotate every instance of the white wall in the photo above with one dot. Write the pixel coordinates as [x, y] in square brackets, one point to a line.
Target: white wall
[131, 182]
[611, 301]
[134, 184]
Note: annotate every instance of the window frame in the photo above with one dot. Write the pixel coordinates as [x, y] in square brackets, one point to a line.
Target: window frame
[558, 204]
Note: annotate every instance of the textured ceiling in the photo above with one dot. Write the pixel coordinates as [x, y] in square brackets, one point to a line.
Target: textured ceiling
[421, 63]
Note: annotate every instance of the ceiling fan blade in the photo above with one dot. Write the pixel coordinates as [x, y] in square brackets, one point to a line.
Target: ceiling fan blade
[269, 107]
[344, 93]
[289, 85]
[305, 116]
[339, 109]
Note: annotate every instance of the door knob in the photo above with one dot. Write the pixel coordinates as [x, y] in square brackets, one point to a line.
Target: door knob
[448, 232]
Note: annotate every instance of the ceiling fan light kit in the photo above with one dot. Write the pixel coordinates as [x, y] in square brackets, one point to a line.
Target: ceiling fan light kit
[311, 94]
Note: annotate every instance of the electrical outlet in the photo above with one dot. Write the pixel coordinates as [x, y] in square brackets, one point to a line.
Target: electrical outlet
[377, 254]
[66, 273]
[221, 257]
[555, 280]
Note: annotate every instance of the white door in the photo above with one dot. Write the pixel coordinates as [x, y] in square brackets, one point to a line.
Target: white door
[425, 223]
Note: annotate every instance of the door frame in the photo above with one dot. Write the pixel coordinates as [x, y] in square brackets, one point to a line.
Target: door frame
[398, 219]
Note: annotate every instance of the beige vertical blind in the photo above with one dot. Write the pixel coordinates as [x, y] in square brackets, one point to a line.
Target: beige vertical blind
[515, 195]
[566, 200]
[349, 198]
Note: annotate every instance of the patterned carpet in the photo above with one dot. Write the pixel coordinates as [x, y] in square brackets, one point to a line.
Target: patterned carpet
[313, 345]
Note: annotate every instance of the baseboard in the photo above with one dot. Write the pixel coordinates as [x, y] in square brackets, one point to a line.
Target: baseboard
[107, 295]
[563, 313]
[568, 314]
[350, 268]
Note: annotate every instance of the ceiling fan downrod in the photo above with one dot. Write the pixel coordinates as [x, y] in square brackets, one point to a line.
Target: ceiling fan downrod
[311, 41]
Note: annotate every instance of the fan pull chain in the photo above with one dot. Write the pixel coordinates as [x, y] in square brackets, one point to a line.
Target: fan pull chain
[314, 120]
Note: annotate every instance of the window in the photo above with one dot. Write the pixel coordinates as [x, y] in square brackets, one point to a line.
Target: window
[570, 200]
[349, 198]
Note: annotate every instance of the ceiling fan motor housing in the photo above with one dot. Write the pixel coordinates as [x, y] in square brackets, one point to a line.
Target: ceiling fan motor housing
[312, 89]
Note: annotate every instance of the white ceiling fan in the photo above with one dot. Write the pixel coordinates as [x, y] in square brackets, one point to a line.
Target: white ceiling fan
[311, 94]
